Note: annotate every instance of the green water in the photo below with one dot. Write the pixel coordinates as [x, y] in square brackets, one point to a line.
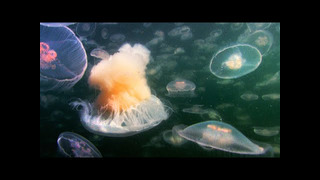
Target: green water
[56, 116]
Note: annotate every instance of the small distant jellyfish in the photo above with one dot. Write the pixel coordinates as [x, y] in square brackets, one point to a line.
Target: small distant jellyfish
[249, 96]
[125, 105]
[99, 53]
[272, 96]
[181, 88]
[235, 61]
[85, 29]
[267, 131]
[146, 25]
[75, 146]
[260, 39]
[195, 109]
[63, 59]
[236, 26]
[104, 33]
[274, 79]
[258, 26]
[216, 33]
[221, 136]
[172, 137]
[117, 38]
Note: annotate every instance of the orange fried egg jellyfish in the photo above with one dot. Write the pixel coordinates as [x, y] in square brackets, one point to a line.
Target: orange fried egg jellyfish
[125, 105]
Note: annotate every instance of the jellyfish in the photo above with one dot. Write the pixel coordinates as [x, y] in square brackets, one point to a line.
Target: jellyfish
[216, 33]
[125, 105]
[73, 145]
[117, 38]
[181, 88]
[99, 53]
[258, 26]
[63, 59]
[260, 39]
[248, 96]
[172, 137]
[56, 24]
[195, 109]
[236, 26]
[235, 61]
[104, 33]
[272, 96]
[221, 136]
[267, 131]
[85, 29]
[212, 114]
[274, 79]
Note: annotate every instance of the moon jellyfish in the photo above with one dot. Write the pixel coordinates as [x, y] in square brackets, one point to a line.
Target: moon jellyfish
[125, 105]
[73, 145]
[63, 59]
[56, 24]
[272, 96]
[212, 114]
[221, 136]
[195, 109]
[235, 61]
[104, 33]
[172, 137]
[261, 39]
[99, 53]
[236, 26]
[117, 38]
[85, 29]
[274, 79]
[249, 96]
[257, 26]
[181, 88]
[267, 131]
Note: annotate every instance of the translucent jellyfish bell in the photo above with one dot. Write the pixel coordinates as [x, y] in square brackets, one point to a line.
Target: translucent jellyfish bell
[73, 145]
[63, 59]
[195, 109]
[235, 61]
[260, 39]
[172, 137]
[267, 131]
[56, 24]
[181, 88]
[99, 53]
[248, 96]
[221, 136]
[257, 26]
[85, 29]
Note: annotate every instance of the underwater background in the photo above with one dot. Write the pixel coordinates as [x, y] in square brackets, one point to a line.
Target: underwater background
[173, 57]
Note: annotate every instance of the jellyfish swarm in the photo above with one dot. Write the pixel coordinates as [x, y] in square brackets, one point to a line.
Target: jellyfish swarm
[73, 145]
[235, 61]
[181, 88]
[63, 59]
[221, 136]
[125, 105]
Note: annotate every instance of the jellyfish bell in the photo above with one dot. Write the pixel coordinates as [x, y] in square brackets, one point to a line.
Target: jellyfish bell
[181, 88]
[85, 29]
[99, 53]
[55, 24]
[63, 59]
[271, 96]
[221, 136]
[267, 131]
[73, 145]
[257, 26]
[125, 105]
[195, 109]
[248, 96]
[235, 61]
[260, 39]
